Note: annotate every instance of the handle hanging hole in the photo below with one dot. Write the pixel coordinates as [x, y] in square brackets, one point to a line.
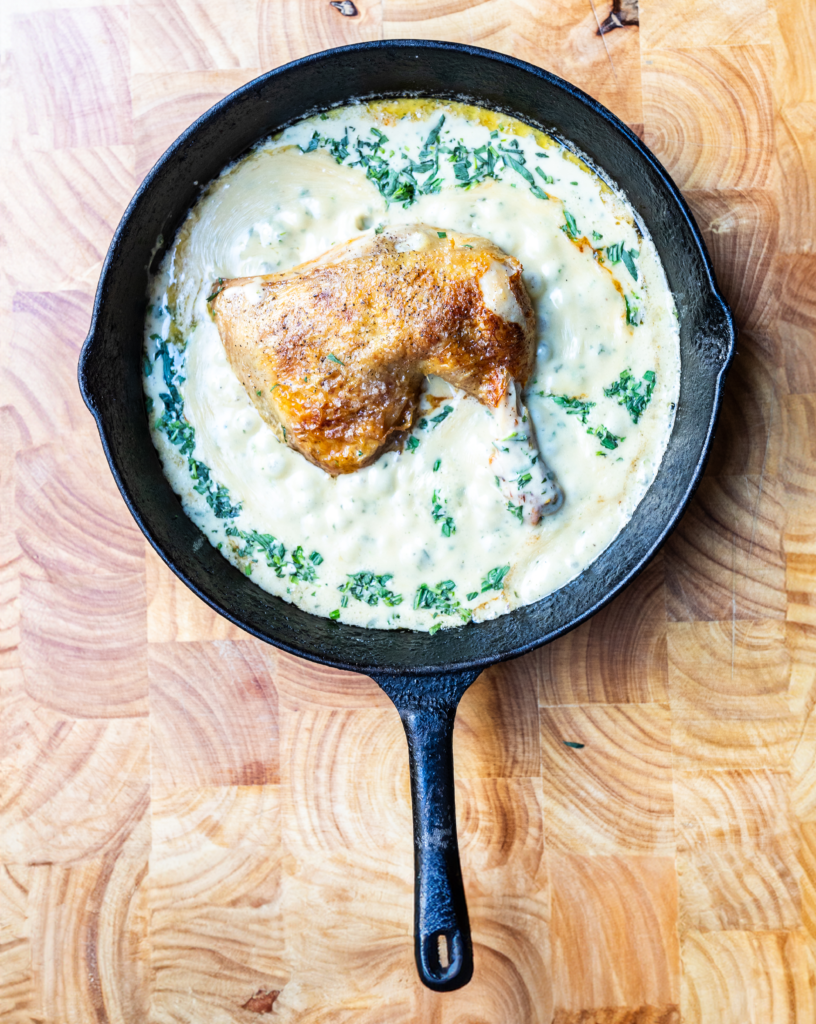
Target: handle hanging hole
[443, 950]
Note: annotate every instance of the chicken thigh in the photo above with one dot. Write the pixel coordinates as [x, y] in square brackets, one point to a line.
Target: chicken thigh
[334, 352]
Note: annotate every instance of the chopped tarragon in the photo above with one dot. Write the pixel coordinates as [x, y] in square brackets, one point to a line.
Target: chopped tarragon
[606, 437]
[573, 406]
[370, 589]
[570, 229]
[632, 393]
[494, 580]
[440, 599]
[180, 433]
[440, 515]
[440, 417]
[618, 253]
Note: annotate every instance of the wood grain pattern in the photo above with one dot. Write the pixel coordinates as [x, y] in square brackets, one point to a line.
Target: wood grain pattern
[197, 828]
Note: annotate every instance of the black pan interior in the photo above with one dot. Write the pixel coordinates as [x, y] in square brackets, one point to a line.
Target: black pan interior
[110, 374]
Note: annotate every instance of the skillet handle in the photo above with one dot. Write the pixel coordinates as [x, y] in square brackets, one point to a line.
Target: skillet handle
[427, 707]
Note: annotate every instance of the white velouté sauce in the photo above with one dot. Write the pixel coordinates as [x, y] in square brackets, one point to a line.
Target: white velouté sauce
[423, 538]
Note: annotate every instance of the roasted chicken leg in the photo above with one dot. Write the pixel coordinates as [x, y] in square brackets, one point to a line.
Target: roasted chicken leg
[333, 353]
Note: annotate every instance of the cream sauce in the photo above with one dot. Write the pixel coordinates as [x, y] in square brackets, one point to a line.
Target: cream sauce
[279, 207]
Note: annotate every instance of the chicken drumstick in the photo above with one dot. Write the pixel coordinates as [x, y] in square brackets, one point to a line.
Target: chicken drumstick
[333, 353]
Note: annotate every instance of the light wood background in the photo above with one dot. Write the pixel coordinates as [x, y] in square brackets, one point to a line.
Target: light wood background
[196, 828]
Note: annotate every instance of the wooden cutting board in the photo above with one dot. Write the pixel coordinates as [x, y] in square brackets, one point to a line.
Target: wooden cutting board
[196, 828]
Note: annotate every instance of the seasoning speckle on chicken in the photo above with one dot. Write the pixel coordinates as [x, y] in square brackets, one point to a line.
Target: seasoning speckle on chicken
[334, 352]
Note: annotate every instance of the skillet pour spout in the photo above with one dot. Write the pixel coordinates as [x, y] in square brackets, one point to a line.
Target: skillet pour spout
[424, 675]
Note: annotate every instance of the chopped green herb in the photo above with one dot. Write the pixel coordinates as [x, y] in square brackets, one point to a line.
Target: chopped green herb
[435, 628]
[548, 179]
[442, 415]
[606, 437]
[618, 252]
[334, 359]
[217, 291]
[439, 514]
[370, 589]
[570, 228]
[575, 746]
[182, 434]
[379, 229]
[574, 406]
[629, 256]
[335, 614]
[596, 236]
[633, 317]
[627, 389]
[257, 392]
[516, 510]
[412, 443]
[525, 478]
[494, 580]
[316, 558]
[442, 234]
[472, 595]
[440, 599]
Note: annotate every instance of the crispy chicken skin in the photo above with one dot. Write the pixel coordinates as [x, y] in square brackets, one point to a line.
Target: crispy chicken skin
[333, 353]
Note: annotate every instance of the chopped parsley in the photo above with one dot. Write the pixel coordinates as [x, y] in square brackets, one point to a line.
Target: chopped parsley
[334, 359]
[442, 234]
[412, 443]
[473, 595]
[370, 589]
[495, 578]
[516, 510]
[632, 393]
[439, 514]
[574, 406]
[335, 614]
[436, 465]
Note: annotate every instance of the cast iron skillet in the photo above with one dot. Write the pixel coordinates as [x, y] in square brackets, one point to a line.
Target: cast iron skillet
[424, 676]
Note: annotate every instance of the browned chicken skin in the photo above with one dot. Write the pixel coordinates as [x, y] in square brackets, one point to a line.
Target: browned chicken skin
[334, 352]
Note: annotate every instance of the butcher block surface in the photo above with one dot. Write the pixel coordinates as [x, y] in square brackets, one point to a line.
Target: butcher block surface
[197, 828]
